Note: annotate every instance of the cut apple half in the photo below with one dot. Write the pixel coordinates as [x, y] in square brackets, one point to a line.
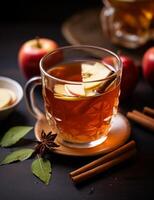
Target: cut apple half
[91, 73]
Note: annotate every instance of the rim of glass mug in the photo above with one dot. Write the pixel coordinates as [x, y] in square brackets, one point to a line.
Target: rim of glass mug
[79, 47]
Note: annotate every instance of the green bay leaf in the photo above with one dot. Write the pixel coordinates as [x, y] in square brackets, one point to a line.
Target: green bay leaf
[18, 155]
[41, 168]
[14, 134]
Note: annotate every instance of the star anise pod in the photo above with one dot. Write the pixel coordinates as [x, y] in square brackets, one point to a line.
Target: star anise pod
[46, 143]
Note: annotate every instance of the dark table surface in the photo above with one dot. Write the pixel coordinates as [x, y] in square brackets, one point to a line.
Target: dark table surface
[131, 180]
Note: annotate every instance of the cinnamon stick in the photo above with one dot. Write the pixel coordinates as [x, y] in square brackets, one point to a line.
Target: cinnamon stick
[144, 116]
[103, 167]
[130, 145]
[148, 111]
[142, 120]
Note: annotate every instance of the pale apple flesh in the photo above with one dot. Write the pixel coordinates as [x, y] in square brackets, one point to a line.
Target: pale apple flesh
[60, 92]
[7, 97]
[86, 88]
[76, 90]
[92, 73]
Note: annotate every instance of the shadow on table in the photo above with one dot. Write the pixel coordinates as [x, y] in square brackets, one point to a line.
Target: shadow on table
[73, 163]
[14, 119]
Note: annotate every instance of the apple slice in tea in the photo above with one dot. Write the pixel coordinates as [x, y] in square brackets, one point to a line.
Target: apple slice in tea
[79, 90]
[93, 75]
[93, 82]
[75, 90]
[69, 92]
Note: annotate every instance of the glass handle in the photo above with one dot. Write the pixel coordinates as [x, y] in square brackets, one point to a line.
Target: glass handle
[29, 96]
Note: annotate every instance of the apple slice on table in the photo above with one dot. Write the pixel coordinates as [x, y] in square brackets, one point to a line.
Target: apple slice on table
[92, 73]
[13, 95]
[5, 98]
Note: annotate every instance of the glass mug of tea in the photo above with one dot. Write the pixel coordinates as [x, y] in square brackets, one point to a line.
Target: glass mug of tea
[129, 23]
[80, 89]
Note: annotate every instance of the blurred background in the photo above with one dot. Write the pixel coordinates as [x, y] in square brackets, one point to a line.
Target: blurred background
[54, 11]
[21, 21]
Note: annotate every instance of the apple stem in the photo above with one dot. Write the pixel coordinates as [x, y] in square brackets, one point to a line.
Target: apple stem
[38, 44]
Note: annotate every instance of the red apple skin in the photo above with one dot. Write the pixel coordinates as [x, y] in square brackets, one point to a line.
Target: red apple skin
[148, 66]
[30, 54]
[129, 77]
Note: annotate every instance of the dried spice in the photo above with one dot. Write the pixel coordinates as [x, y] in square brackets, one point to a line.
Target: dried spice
[47, 143]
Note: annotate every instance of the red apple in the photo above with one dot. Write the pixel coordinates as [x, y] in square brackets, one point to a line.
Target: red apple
[30, 54]
[129, 77]
[129, 74]
[148, 66]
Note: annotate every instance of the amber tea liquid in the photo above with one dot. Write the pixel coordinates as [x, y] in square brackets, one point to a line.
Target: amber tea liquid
[80, 115]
